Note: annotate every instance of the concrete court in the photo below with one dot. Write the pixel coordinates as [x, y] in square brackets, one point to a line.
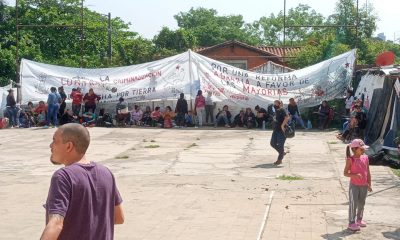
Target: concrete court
[203, 184]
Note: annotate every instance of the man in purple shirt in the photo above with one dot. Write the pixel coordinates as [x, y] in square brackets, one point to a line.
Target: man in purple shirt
[83, 200]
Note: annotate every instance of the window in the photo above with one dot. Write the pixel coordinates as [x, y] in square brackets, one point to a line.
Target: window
[236, 63]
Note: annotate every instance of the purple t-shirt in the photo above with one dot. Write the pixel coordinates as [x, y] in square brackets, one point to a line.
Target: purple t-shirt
[85, 194]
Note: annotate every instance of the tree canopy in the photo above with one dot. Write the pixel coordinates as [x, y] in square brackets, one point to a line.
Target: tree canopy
[66, 44]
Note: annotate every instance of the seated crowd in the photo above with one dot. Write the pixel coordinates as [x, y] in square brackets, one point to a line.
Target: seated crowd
[54, 112]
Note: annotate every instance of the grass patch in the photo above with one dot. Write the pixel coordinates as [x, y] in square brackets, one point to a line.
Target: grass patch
[289, 178]
[192, 145]
[153, 141]
[197, 139]
[144, 140]
[152, 146]
[251, 138]
[333, 142]
[133, 148]
[396, 172]
[122, 157]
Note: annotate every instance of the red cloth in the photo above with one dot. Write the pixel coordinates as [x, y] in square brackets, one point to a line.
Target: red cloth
[76, 97]
[40, 108]
[91, 99]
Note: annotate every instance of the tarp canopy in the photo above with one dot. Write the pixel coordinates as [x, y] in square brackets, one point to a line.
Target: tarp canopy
[188, 72]
[384, 110]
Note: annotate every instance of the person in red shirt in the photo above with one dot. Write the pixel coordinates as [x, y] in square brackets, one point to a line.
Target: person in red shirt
[76, 96]
[90, 100]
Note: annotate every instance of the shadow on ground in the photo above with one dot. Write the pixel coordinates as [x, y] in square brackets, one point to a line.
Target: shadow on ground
[392, 235]
[338, 235]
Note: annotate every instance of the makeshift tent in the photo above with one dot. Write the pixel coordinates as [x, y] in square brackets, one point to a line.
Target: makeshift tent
[384, 110]
[188, 72]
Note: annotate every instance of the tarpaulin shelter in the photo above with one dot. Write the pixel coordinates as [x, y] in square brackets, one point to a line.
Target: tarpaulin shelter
[379, 88]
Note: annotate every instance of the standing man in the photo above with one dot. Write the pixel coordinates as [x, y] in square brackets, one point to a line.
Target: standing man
[12, 109]
[278, 137]
[63, 98]
[76, 96]
[83, 200]
[210, 105]
[90, 100]
[181, 110]
[53, 103]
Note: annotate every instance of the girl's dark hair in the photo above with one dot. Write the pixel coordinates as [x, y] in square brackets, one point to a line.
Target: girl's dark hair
[348, 154]
[157, 108]
[199, 92]
[169, 108]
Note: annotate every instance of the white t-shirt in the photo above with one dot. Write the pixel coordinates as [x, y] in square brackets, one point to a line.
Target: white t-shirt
[349, 102]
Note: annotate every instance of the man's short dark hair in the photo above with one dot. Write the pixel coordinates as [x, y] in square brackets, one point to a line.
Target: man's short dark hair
[77, 134]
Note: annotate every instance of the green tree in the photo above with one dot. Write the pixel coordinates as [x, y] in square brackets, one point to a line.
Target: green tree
[179, 40]
[210, 29]
[302, 15]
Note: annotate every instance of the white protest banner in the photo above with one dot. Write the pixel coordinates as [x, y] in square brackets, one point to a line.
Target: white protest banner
[188, 72]
[309, 86]
[158, 80]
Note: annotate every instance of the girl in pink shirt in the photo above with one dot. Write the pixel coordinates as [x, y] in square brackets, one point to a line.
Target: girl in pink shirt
[199, 107]
[357, 169]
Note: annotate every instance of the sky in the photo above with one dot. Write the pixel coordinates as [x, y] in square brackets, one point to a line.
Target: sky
[149, 16]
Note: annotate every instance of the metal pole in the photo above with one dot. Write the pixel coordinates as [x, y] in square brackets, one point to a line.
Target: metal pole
[81, 33]
[17, 78]
[284, 30]
[109, 40]
[357, 23]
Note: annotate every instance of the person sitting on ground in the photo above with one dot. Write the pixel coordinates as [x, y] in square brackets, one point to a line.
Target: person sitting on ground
[355, 128]
[41, 114]
[156, 117]
[324, 112]
[223, 117]
[136, 116]
[239, 119]
[249, 118]
[89, 118]
[271, 115]
[294, 114]
[349, 99]
[30, 112]
[189, 119]
[146, 117]
[68, 117]
[123, 114]
[261, 116]
[24, 120]
[168, 115]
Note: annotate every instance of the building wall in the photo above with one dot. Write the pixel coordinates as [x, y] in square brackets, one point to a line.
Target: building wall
[236, 52]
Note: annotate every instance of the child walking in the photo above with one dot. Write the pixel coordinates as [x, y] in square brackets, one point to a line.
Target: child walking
[357, 169]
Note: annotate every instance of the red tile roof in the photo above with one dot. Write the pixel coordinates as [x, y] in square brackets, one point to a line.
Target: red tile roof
[269, 50]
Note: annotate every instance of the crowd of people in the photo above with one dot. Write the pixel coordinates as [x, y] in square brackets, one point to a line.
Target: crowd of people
[83, 108]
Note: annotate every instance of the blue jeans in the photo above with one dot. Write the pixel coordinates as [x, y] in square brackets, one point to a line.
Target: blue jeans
[298, 119]
[52, 114]
[12, 113]
[278, 142]
[223, 117]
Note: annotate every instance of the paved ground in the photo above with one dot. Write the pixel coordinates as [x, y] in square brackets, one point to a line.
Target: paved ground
[203, 184]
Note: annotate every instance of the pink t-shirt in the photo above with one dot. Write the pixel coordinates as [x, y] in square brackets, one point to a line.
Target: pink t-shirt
[360, 165]
[200, 102]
